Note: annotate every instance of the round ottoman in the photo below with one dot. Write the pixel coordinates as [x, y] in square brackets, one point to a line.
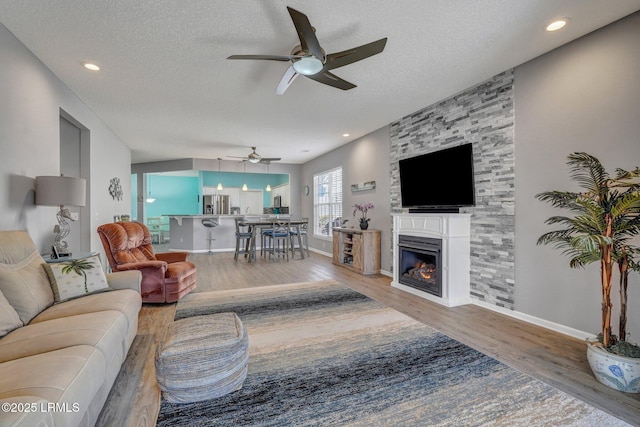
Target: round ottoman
[202, 357]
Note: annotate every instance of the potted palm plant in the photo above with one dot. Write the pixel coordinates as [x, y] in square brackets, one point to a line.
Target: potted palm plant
[606, 219]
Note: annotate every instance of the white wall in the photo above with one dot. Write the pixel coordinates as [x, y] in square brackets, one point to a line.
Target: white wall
[365, 159]
[584, 96]
[31, 98]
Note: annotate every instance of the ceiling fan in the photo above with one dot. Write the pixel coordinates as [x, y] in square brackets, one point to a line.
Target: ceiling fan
[310, 60]
[254, 157]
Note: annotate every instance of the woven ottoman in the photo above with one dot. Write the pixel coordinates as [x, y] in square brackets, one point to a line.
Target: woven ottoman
[202, 357]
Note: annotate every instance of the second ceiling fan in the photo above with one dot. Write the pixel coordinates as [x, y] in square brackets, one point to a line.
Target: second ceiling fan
[310, 60]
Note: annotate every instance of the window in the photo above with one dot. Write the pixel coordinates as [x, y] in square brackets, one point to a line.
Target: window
[327, 202]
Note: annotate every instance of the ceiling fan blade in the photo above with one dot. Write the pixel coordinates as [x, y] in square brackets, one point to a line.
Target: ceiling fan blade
[332, 80]
[308, 40]
[270, 159]
[266, 57]
[288, 78]
[346, 57]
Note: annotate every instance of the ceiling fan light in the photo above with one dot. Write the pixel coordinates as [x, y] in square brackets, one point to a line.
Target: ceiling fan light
[254, 157]
[308, 66]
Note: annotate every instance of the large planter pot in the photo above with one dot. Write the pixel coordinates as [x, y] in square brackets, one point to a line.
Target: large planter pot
[618, 372]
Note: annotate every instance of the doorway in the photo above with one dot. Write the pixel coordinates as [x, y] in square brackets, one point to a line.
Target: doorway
[74, 161]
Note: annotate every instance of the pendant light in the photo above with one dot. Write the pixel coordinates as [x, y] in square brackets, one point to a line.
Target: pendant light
[268, 179]
[219, 187]
[149, 198]
[244, 174]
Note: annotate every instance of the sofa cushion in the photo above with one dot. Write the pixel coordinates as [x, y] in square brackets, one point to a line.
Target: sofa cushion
[70, 377]
[22, 279]
[9, 319]
[76, 278]
[105, 330]
[125, 301]
[125, 280]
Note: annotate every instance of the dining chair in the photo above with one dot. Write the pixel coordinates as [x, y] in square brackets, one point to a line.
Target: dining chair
[243, 239]
[280, 232]
[302, 229]
[263, 234]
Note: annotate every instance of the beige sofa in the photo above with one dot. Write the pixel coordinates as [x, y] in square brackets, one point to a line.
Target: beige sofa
[58, 361]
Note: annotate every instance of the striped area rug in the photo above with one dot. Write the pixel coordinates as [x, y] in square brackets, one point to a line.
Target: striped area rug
[322, 354]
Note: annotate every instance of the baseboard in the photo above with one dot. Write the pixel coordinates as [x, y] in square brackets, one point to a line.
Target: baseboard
[557, 327]
[328, 254]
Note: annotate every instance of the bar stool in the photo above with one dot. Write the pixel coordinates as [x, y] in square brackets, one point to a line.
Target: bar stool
[210, 223]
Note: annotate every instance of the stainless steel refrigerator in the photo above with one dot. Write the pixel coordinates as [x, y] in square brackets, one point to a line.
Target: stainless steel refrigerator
[218, 204]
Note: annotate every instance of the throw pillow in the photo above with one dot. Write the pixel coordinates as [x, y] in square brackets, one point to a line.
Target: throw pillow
[9, 319]
[76, 278]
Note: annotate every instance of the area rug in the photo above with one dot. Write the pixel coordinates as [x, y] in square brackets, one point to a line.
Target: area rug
[322, 354]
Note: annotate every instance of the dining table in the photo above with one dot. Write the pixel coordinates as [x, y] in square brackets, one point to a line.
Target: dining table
[257, 224]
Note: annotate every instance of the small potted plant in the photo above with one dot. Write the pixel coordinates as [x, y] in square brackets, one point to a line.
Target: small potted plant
[606, 219]
[363, 209]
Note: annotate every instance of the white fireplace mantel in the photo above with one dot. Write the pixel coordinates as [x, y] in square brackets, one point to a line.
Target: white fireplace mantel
[455, 232]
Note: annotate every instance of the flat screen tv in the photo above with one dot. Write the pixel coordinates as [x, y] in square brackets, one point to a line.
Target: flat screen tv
[439, 180]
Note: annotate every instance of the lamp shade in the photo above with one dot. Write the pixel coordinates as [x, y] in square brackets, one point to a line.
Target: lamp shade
[60, 190]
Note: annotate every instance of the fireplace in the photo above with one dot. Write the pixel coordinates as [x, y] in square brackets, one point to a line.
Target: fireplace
[432, 256]
[420, 263]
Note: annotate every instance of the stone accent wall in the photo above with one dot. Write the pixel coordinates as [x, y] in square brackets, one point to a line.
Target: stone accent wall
[484, 116]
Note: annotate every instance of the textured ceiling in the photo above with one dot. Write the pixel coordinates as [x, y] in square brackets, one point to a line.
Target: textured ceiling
[167, 90]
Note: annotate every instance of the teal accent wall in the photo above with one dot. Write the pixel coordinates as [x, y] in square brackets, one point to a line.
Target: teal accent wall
[175, 195]
[182, 195]
[254, 181]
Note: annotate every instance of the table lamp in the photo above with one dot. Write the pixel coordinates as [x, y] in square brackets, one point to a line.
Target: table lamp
[60, 191]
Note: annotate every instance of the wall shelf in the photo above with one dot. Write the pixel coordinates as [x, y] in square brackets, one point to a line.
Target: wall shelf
[369, 185]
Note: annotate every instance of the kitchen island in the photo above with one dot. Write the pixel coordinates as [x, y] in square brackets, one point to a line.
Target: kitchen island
[187, 233]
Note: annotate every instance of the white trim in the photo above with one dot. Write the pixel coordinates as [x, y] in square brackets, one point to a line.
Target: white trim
[566, 330]
[330, 255]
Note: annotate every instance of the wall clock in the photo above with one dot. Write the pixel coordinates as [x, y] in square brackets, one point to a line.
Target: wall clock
[115, 189]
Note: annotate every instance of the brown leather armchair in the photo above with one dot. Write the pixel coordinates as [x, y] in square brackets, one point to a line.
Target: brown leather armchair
[166, 277]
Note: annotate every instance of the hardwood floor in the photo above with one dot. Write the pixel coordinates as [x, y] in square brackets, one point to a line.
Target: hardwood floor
[549, 356]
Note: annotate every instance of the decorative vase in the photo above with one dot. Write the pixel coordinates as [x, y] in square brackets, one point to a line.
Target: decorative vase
[364, 223]
[618, 372]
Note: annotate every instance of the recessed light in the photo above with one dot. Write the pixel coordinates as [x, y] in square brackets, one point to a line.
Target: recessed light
[557, 24]
[346, 135]
[90, 66]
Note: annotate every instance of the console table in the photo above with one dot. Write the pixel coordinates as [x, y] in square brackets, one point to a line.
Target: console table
[356, 249]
